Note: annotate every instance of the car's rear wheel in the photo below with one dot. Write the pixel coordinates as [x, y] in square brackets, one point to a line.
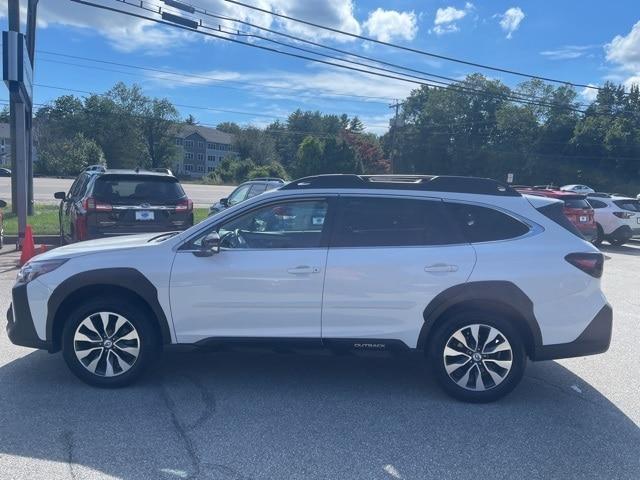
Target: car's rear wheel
[617, 242]
[477, 357]
[599, 236]
[109, 342]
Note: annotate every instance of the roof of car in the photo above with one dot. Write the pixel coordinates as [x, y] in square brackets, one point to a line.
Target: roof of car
[547, 192]
[433, 183]
[123, 171]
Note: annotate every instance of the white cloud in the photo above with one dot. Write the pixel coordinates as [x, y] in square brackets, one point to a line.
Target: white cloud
[624, 52]
[568, 52]
[511, 19]
[386, 25]
[126, 33]
[589, 94]
[446, 18]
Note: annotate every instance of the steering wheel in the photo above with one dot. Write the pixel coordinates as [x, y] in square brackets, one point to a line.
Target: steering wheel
[233, 239]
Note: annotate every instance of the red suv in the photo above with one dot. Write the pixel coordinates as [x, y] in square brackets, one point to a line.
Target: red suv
[576, 208]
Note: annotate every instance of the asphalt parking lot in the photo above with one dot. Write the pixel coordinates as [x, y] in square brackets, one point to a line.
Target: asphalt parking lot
[267, 415]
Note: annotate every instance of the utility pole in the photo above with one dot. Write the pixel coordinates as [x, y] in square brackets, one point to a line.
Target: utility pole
[394, 125]
[18, 54]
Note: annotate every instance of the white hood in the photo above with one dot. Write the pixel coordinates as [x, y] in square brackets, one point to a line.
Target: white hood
[96, 246]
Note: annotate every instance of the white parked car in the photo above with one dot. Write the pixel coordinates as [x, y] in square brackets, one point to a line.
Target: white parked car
[617, 218]
[578, 189]
[466, 270]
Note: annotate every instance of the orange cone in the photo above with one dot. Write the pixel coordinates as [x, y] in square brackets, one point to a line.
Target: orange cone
[28, 248]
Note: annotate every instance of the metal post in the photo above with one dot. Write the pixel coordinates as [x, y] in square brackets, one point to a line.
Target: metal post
[14, 95]
[20, 176]
[31, 47]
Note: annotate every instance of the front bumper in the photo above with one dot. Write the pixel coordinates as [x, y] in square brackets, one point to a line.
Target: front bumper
[595, 339]
[20, 328]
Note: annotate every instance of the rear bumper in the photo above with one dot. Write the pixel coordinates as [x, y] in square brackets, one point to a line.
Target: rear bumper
[20, 328]
[595, 339]
[588, 232]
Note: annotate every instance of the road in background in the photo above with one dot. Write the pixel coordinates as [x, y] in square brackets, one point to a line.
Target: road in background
[264, 415]
[44, 188]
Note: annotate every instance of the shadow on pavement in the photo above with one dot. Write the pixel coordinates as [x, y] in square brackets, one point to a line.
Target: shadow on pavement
[273, 416]
[631, 249]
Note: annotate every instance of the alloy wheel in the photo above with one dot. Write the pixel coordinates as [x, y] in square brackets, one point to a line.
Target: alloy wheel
[106, 344]
[478, 357]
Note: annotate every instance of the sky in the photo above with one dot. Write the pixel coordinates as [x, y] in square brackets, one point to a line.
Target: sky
[581, 41]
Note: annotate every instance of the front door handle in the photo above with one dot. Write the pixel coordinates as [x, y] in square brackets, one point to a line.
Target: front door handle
[303, 270]
[441, 268]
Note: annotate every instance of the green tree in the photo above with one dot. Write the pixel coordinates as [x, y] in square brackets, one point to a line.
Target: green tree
[309, 159]
[157, 124]
[68, 156]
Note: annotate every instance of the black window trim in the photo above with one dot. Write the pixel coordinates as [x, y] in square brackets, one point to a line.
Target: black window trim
[186, 245]
[534, 228]
[341, 196]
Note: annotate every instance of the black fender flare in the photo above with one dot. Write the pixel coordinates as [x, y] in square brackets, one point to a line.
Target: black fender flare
[127, 278]
[500, 293]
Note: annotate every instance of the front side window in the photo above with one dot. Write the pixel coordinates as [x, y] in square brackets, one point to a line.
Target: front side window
[386, 222]
[297, 224]
[484, 224]
[257, 189]
[239, 194]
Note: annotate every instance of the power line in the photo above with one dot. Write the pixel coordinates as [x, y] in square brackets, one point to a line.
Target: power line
[413, 50]
[175, 25]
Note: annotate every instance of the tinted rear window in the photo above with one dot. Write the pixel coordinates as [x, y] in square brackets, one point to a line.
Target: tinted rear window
[482, 224]
[124, 189]
[596, 204]
[576, 203]
[382, 222]
[632, 205]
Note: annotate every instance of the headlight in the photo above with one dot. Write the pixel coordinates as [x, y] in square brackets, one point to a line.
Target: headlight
[33, 270]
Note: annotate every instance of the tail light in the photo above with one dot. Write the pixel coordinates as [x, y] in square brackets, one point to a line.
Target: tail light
[184, 206]
[624, 215]
[91, 205]
[590, 263]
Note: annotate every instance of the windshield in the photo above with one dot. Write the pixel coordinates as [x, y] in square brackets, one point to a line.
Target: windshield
[125, 189]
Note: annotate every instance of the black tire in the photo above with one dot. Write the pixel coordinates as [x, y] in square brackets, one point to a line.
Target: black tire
[491, 393]
[617, 242]
[599, 236]
[131, 311]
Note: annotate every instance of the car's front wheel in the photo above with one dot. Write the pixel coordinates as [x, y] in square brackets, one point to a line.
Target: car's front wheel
[109, 342]
[478, 358]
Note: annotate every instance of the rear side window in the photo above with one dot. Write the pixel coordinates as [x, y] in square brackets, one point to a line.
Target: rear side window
[555, 212]
[596, 204]
[631, 205]
[483, 224]
[576, 203]
[125, 189]
[386, 222]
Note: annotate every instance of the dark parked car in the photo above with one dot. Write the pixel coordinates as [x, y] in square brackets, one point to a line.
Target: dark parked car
[5, 172]
[245, 191]
[104, 203]
[3, 204]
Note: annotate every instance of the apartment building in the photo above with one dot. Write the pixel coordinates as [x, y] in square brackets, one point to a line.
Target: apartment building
[201, 150]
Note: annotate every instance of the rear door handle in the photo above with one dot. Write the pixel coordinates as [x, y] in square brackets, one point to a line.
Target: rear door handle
[441, 268]
[303, 270]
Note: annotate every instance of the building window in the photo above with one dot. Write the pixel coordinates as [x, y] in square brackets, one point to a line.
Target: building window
[188, 143]
[188, 156]
[201, 157]
[210, 169]
[178, 141]
[210, 146]
[211, 158]
[200, 144]
[188, 167]
[200, 168]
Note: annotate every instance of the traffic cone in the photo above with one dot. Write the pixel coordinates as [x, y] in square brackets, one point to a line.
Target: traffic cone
[28, 248]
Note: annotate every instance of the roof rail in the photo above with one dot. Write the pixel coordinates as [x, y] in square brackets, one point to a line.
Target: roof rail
[95, 168]
[434, 183]
[267, 179]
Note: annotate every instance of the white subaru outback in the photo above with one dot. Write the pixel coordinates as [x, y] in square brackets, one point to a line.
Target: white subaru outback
[466, 270]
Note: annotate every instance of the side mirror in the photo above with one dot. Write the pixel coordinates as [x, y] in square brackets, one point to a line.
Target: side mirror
[3, 204]
[209, 246]
[60, 196]
[224, 202]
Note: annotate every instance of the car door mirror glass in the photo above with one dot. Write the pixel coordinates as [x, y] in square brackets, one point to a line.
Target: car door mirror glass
[60, 195]
[224, 202]
[209, 245]
[3, 204]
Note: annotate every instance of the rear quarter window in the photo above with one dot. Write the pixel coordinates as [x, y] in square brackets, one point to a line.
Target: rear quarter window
[484, 224]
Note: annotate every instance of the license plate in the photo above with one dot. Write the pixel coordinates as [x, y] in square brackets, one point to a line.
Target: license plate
[144, 215]
[583, 218]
